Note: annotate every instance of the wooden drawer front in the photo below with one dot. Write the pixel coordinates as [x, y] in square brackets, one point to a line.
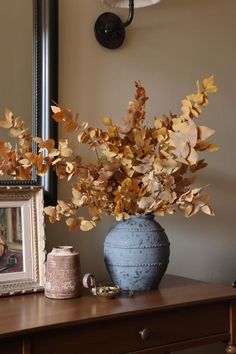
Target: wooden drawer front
[123, 335]
[11, 346]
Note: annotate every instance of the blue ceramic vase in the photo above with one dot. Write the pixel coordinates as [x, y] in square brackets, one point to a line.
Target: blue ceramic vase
[136, 253]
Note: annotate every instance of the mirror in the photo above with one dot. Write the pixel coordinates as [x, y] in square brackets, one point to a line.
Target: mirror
[29, 72]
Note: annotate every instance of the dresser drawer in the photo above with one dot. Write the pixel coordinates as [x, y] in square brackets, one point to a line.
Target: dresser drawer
[134, 333]
[11, 346]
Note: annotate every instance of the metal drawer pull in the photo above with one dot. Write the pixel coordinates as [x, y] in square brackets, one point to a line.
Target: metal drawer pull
[145, 334]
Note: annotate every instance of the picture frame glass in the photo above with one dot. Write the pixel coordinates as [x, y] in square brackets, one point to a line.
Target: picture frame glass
[11, 241]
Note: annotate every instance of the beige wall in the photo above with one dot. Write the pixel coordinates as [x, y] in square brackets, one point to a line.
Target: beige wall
[168, 47]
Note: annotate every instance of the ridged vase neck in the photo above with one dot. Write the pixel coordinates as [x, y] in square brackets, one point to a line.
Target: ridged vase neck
[149, 216]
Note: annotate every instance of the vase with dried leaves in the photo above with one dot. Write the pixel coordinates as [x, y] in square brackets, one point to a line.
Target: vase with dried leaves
[140, 170]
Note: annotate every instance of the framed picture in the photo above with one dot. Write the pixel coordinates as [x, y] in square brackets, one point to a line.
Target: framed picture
[22, 240]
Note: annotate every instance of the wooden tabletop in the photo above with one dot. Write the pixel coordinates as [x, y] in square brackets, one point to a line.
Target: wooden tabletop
[28, 313]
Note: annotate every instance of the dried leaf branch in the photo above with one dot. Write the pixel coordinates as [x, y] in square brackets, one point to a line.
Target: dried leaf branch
[140, 169]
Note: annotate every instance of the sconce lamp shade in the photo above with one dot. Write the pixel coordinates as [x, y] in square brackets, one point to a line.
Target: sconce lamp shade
[125, 3]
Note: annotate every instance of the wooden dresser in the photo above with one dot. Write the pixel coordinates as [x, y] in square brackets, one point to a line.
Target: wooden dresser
[183, 313]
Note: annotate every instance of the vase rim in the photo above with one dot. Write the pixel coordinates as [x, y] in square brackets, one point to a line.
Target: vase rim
[147, 216]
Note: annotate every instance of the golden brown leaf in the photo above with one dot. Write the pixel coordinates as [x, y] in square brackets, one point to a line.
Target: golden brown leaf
[107, 121]
[146, 202]
[207, 210]
[72, 223]
[7, 123]
[208, 84]
[205, 132]
[87, 225]
[158, 123]
[213, 147]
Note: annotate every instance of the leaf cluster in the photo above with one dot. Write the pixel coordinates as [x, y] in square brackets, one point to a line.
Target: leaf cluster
[139, 170]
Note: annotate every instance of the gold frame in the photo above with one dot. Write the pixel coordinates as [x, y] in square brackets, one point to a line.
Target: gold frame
[31, 278]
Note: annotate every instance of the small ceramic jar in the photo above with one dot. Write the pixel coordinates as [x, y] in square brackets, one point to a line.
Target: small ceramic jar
[62, 273]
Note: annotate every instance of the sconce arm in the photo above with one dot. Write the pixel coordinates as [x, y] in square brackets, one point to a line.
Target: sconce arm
[131, 14]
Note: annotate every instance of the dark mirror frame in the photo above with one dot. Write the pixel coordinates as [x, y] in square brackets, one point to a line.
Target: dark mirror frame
[44, 86]
[46, 81]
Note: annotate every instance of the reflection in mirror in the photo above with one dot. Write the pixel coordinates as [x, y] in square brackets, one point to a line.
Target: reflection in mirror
[16, 33]
[28, 73]
[11, 257]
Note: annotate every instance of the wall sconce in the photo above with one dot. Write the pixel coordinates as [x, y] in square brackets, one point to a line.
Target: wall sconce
[110, 29]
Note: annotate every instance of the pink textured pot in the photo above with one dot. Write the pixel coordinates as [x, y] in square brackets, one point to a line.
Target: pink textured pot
[62, 273]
